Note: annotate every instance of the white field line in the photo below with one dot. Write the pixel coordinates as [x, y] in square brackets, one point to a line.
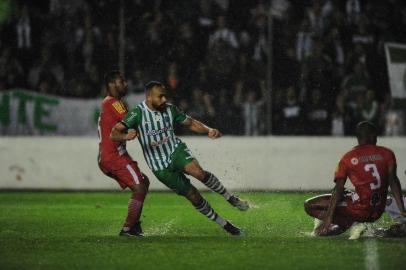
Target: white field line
[371, 254]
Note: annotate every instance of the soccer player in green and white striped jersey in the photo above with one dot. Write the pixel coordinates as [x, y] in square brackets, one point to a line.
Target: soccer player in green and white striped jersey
[168, 157]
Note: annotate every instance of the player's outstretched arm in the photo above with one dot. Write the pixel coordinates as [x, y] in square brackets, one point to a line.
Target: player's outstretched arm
[396, 189]
[198, 127]
[120, 133]
[335, 197]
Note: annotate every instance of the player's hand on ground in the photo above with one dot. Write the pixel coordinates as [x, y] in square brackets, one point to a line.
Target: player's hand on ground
[323, 229]
[131, 135]
[214, 133]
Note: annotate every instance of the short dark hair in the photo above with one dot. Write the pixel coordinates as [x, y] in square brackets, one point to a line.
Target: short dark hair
[366, 130]
[152, 84]
[111, 76]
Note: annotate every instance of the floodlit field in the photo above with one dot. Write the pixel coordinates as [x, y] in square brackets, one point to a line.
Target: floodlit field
[79, 231]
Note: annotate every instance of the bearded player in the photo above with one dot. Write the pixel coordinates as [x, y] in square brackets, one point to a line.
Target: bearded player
[168, 157]
[371, 169]
[113, 159]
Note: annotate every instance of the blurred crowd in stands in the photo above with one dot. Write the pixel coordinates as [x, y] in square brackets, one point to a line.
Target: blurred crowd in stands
[328, 68]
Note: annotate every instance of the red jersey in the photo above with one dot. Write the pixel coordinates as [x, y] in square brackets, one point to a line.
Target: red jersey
[367, 168]
[112, 111]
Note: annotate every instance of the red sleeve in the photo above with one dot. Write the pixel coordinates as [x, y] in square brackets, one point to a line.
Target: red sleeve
[116, 109]
[341, 170]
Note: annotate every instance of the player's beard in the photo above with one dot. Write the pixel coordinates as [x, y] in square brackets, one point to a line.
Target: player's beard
[161, 107]
[122, 92]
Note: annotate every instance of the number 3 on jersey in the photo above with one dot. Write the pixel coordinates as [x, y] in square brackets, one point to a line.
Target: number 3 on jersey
[375, 174]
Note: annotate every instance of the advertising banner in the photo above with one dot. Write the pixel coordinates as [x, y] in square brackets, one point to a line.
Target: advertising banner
[29, 113]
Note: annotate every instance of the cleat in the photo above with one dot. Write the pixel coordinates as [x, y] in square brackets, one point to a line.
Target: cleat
[237, 202]
[230, 228]
[335, 230]
[129, 234]
[357, 230]
[395, 231]
[137, 228]
[381, 232]
[134, 231]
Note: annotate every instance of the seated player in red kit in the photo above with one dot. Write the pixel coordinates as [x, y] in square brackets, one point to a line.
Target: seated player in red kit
[371, 169]
[114, 161]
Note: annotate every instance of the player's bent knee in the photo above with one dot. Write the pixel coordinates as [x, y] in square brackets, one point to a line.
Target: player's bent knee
[195, 170]
[144, 189]
[140, 189]
[199, 173]
[146, 181]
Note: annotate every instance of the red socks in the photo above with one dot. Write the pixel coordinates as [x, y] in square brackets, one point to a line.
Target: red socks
[134, 210]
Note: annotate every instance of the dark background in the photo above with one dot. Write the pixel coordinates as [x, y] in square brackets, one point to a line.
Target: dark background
[329, 69]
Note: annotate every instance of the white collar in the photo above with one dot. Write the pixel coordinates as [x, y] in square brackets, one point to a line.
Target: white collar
[146, 106]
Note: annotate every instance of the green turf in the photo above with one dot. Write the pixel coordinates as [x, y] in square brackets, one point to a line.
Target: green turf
[79, 231]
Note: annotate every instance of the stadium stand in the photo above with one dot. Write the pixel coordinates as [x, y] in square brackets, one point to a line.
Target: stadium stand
[328, 56]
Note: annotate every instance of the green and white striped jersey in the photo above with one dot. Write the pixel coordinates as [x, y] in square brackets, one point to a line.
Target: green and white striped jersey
[156, 132]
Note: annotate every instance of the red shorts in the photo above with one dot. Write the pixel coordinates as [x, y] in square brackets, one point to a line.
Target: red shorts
[122, 169]
[351, 210]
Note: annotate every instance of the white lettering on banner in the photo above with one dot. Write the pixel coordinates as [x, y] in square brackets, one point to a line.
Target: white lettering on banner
[29, 113]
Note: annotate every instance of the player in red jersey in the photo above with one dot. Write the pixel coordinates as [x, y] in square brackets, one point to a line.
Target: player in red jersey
[371, 169]
[114, 161]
